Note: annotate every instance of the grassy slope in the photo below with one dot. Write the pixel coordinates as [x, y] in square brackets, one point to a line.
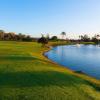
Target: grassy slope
[27, 75]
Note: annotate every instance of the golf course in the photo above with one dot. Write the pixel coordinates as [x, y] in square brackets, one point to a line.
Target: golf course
[26, 74]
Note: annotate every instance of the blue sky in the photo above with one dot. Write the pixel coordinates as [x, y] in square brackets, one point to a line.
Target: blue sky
[50, 16]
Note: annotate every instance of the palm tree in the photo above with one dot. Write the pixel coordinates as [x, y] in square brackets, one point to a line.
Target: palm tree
[63, 34]
[98, 38]
[47, 36]
[80, 37]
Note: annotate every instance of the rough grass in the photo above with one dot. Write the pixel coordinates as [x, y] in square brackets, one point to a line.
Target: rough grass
[25, 74]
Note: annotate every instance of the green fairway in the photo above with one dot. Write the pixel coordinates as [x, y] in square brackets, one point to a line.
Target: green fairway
[25, 74]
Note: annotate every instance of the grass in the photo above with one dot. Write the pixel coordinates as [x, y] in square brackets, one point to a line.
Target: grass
[25, 74]
[93, 43]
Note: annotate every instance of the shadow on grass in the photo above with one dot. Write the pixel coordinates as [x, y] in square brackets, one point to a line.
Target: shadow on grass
[22, 58]
[28, 79]
[32, 79]
[16, 57]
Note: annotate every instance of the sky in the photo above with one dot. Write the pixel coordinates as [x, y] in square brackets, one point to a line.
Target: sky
[34, 17]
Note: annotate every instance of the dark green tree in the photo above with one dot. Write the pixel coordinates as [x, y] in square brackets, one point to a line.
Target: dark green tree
[43, 40]
[54, 38]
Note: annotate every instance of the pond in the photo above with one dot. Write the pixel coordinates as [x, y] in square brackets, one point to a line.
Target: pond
[83, 58]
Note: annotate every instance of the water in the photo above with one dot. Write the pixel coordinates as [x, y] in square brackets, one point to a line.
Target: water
[85, 58]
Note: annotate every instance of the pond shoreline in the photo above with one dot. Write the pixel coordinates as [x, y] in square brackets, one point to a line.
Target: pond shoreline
[77, 73]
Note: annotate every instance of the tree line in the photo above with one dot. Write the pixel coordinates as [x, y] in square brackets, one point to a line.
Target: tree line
[11, 36]
[86, 38]
[82, 38]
